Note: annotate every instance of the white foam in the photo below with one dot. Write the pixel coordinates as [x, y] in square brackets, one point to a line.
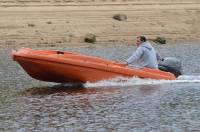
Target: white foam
[122, 82]
[188, 77]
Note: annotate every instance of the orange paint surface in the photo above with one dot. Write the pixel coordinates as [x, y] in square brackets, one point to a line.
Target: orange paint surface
[62, 67]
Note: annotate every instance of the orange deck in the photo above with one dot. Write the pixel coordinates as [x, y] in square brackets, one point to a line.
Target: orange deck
[52, 66]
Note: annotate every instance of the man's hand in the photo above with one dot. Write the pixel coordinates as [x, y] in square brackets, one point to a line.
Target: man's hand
[121, 63]
[125, 63]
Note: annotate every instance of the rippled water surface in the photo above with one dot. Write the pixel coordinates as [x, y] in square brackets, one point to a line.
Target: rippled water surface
[113, 105]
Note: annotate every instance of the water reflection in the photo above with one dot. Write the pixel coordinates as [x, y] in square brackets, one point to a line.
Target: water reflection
[66, 89]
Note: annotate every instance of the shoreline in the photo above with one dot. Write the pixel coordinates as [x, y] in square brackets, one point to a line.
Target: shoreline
[93, 45]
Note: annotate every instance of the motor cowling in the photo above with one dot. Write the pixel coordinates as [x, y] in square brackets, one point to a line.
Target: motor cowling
[172, 65]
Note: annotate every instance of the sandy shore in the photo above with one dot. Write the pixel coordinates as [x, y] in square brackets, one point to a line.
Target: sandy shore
[51, 22]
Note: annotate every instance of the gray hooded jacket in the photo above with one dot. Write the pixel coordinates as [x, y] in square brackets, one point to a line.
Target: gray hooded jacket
[145, 56]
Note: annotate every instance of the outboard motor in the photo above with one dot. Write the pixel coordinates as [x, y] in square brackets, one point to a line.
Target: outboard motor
[171, 64]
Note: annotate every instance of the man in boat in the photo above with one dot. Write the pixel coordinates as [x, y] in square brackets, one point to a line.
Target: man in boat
[145, 55]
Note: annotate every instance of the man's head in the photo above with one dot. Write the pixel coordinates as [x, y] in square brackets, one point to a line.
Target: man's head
[140, 40]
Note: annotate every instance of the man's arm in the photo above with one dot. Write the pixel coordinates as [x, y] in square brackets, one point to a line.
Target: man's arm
[135, 56]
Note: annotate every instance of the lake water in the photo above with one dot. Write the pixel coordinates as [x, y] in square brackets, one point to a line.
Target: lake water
[119, 104]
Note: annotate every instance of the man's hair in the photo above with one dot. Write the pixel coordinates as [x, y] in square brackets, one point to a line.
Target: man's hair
[142, 38]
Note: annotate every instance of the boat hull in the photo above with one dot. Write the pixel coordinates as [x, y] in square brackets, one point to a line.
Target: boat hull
[51, 66]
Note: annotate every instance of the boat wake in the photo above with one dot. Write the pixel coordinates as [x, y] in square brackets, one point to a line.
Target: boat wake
[123, 82]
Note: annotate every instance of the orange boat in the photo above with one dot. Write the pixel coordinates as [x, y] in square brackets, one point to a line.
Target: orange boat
[62, 67]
